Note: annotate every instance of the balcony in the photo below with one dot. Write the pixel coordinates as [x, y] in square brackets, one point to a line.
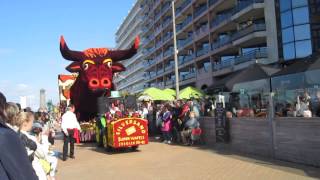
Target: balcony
[244, 4]
[213, 2]
[180, 9]
[235, 37]
[246, 57]
[169, 67]
[221, 18]
[221, 42]
[187, 76]
[184, 23]
[203, 30]
[200, 10]
[203, 51]
[185, 59]
[165, 7]
[183, 42]
[168, 52]
[250, 33]
[166, 37]
[159, 72]
[166, 22]
[158, 58]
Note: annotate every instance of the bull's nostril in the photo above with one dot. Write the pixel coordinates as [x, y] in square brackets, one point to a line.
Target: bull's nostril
[94, 83]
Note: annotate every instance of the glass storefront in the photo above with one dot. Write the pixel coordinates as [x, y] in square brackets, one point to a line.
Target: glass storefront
[297, 95]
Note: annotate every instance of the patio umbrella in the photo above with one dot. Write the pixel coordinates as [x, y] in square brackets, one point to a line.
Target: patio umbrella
[170, 91]
[191, 92]
[158, 94]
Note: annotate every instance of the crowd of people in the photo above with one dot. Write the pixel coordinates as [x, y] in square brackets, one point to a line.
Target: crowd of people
[26, 139]
[172, 122]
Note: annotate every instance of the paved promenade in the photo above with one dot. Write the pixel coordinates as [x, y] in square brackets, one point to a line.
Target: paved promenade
[169, 162]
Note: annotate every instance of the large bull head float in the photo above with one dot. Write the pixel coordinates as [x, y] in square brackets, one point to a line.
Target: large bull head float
[95, 67]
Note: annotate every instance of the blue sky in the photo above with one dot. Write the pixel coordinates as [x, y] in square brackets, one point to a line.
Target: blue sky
[29, 40]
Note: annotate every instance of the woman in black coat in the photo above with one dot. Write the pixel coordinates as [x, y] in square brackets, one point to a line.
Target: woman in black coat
[14, 162]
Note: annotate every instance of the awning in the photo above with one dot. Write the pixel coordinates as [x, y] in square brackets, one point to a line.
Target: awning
[251, 73]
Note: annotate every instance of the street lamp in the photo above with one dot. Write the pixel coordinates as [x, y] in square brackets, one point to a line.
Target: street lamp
[175, 50]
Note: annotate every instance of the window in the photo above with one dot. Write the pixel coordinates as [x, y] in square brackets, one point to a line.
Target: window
[299, 3]
[303, 48]
[287, 35]
[286, 19]
[300, 15]
[300, 32]
[288, 51]
[285, 5]
[295, 29]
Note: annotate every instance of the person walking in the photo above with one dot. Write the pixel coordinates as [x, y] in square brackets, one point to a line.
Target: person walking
[69, 125]
[14, 161]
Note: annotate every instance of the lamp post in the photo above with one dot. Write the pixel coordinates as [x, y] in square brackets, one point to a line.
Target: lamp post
[175, 50]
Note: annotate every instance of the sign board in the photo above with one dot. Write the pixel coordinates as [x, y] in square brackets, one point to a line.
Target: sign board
[221, 123]
[128, 132]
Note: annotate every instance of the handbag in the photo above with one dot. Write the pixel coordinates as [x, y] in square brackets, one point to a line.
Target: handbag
[45, 165]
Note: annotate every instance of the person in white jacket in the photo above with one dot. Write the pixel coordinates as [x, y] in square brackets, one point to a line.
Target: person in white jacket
[68, 125]
[25, 122]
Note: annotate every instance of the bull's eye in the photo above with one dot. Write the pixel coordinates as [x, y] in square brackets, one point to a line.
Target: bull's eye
[108, 62]
[85, 66]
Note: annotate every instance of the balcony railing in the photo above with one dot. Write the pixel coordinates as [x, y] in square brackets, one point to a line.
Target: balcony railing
[158, 58]
[166, 22]
[248, 30]
[244, 4]
[184, 42]
[190, 75]
[239, 34]
[200, 10]
[165, 7]
[246, 57]
[202, 30]
[221, 42]
[184, 23]
[212, 2]
[203, 51]
[185, 59]
[169, 67]
[182, 7]
[168, 52]
[166, 37]
[221, 18]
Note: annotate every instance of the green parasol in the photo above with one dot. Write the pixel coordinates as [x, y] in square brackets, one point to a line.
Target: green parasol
[170, 91]
[157, 94]
[191, 92]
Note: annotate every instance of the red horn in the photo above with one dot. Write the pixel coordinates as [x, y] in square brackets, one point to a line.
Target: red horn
[69, 54]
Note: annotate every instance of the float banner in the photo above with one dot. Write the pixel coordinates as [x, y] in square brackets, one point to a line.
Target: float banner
[128, 132]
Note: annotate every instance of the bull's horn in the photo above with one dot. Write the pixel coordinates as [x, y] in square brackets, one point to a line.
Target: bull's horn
[118, 55]
[69, 54]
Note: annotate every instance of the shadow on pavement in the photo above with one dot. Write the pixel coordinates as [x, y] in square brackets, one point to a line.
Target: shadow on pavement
[226, 150]
[94, 147]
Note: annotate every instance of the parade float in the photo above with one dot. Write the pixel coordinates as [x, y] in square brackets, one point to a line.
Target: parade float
[91, 92]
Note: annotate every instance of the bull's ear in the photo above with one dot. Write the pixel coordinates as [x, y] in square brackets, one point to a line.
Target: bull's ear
[117, 67]
[74, 67]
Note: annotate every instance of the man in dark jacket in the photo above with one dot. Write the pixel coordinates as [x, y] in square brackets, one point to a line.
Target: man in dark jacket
[14, 162]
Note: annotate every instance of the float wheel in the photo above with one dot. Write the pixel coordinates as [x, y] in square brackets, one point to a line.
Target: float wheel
[134, 148]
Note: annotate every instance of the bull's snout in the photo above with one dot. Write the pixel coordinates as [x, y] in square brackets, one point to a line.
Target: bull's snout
[96, 84]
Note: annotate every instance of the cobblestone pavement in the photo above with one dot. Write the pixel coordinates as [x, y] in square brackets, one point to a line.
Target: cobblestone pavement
[157, 161]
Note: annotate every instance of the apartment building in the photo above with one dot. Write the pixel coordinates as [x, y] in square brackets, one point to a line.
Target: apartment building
[132, 80]
[218, 37]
